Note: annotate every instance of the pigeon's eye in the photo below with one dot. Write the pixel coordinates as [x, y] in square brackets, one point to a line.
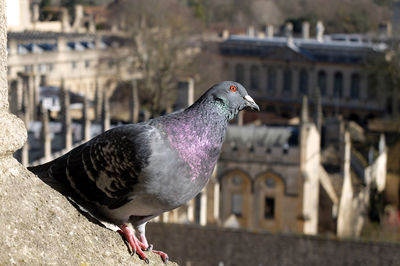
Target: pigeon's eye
[233, 88]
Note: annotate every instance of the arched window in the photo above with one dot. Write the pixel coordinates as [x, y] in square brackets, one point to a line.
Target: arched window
[372, 84]
[236, 193]
[239, 73]
[269, 194]
[322, 82]
[355, 86]
[287, 81]
[338, 85]
[254, 77]
[271, 76]
[303, 82]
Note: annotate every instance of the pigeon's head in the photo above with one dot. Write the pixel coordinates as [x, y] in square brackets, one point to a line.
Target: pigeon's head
[231, 97]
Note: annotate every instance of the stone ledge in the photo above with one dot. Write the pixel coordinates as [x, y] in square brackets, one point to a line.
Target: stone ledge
[40, 226]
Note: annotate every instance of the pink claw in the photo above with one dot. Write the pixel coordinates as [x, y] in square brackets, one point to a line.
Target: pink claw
[136, 245]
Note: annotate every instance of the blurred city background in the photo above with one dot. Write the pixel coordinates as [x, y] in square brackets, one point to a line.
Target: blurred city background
[322, 157]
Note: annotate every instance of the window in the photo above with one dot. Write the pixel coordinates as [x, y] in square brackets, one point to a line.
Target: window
[73, 64]
[50, 67]
[270, 182]
[322, 82]
[28, 68]
[287, 81]
[43, 80]
[371, 86]
[237, 204]
[271, 75]
[41, 68]
[254, 77]
[239, 73]
[303, 84]
[269, 208]
[237, 180]
[338, 85]
[87, 63]
[110, 63]
[355, 86]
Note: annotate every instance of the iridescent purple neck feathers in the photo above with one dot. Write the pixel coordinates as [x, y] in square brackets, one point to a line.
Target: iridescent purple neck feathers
[197, 135]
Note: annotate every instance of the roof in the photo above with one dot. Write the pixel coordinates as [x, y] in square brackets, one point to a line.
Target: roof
[266, 136]
[39, 42]
[42, 35]
[335, 48]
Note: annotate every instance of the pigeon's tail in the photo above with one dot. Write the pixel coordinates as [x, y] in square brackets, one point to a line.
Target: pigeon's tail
[40, 170]
[44, 172]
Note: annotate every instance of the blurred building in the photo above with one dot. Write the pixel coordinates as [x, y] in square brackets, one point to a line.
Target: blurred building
[44, 53]
[279, 70]
[277, 179]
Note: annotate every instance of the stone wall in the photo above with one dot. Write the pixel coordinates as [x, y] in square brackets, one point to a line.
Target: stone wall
[197, 246]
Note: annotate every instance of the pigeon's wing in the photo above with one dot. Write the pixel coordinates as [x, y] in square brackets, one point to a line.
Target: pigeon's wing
[104, 170]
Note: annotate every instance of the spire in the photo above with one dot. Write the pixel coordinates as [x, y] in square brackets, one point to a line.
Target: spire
[318, 115]
[304, 110]
[382, 143]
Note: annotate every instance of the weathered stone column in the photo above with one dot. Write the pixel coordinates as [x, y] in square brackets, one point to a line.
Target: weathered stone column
[36, 91]
[185, 94]
[318, 110]
[134, 103]
[24, 114]
[66, 116]
[45, 133]
[31, 94]
[97, 102]
[191, 210]
[105, 112]
[203, 207]
[86, 125]
[20, 92]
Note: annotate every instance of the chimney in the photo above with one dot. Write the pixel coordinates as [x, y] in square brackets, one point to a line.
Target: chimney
[78, 21]
[12, 46]
[385, 29]
[65, 26]
[35, 12]
[61, 44]
[305, 30]
[225, 34]
[270, 31]
[251, 32]
[288, 29]
[320, 31]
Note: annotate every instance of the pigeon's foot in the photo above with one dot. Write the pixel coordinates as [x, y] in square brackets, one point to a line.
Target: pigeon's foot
[163, 255]
[136, 245]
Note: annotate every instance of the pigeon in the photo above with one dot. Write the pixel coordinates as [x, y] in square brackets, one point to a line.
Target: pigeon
[132, 173]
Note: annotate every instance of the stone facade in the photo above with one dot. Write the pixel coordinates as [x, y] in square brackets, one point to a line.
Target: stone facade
[278, 71]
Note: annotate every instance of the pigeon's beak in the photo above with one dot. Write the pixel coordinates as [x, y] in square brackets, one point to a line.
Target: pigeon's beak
[251, 103]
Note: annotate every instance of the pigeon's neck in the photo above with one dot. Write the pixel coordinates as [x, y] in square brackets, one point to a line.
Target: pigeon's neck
[197, 134]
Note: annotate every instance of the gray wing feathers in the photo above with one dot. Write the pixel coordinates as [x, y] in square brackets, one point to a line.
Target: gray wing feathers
[104, 170]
